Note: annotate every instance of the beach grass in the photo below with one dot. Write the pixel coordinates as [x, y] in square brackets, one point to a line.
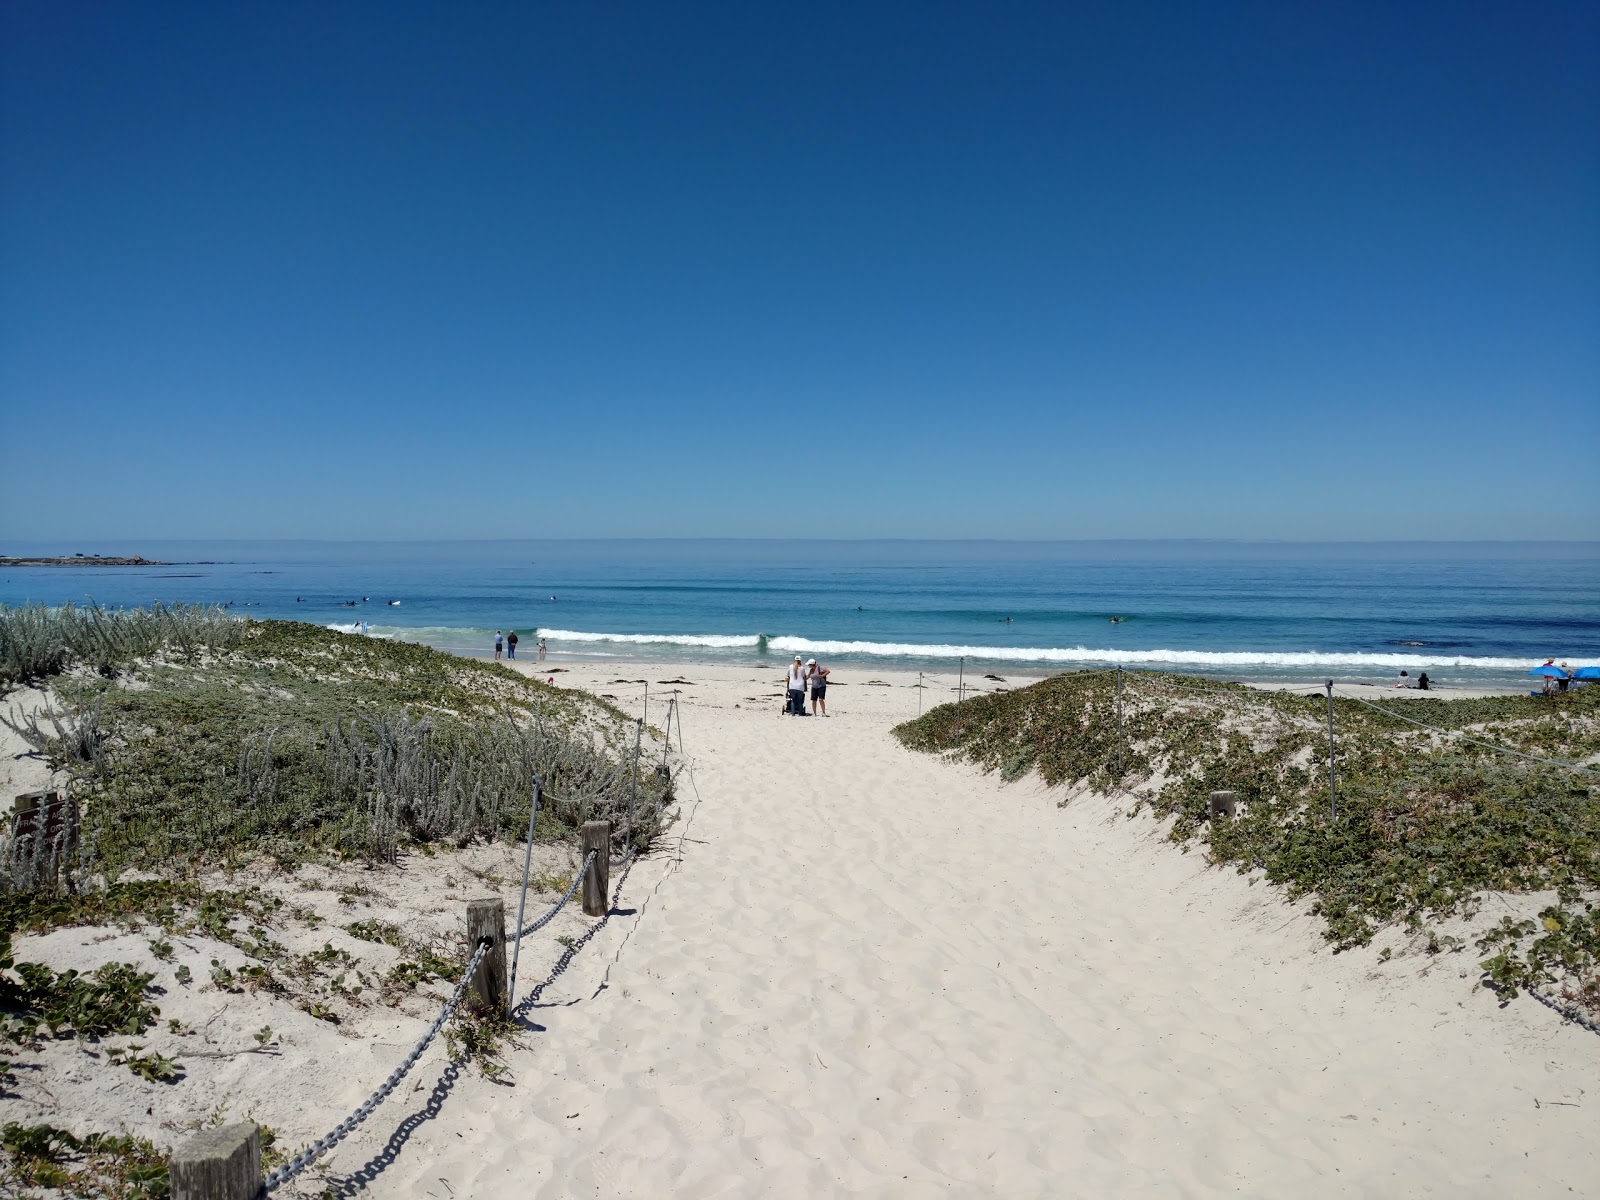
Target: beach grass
[297, 741]
[38, 641]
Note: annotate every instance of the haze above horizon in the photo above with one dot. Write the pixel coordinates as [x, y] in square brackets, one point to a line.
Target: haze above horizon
[408, 271]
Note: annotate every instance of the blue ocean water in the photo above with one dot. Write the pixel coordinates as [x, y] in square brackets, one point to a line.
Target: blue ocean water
[1464, 612]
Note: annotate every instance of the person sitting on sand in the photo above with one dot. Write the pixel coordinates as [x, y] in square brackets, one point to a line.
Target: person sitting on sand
[1424, 683]
[1404, 681]
[796, 685]
[818, 677]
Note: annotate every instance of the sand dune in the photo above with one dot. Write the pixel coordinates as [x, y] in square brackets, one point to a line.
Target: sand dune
[874, 973]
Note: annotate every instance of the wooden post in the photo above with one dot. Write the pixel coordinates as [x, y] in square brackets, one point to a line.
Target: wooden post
[218, 1164]
[486, 919]
[597, 880]
[1222, 804]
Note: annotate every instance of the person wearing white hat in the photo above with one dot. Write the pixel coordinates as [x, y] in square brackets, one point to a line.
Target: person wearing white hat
[796, 684]
[818, 677]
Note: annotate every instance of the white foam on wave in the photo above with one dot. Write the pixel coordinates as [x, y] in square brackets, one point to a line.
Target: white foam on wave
[1048, 654]
[713, 641]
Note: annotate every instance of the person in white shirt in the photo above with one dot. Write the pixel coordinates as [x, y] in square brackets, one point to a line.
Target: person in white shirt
[796, 684]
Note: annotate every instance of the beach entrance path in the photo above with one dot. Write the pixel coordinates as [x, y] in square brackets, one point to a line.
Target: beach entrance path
[877, 974]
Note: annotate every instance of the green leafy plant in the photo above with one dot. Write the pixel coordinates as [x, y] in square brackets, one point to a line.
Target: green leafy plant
[384, 932]
[97, 1166]
[109, 1000]
[427, 965]
[156, 1068]
[481, 1035]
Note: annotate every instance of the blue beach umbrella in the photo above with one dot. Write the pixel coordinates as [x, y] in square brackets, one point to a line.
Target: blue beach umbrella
[1549, 672]
[1587, 673]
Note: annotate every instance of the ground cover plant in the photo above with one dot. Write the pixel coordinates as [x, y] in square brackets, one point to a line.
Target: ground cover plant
[1425, 823]
[42, 1159]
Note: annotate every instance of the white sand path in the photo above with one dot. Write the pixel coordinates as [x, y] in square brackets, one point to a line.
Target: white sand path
[874, 973]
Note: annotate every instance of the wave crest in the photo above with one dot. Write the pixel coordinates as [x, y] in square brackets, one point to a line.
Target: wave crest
[1046, 654]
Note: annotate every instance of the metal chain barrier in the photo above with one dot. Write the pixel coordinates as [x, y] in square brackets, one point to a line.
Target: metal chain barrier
[535, 926]
[311, 1153]
[342, 1130]
[1569, 1013]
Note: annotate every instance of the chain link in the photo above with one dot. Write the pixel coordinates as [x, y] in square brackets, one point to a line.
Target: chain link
[1570, 1014]
[342, 1130]
[572, 887]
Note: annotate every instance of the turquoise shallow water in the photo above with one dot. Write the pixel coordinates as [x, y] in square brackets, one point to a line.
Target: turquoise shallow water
[1465, 613]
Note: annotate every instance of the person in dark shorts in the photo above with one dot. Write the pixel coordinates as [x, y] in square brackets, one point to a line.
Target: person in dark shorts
[818, 678]
[511, 643]
[499, 643]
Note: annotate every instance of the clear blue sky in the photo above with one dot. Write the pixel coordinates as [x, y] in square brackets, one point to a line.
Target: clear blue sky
[396, 270]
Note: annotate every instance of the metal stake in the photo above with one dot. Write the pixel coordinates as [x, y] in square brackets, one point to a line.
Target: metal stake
[961, 681]
[1333, 794]
[633, 778]
[522, 901]
[919, 693]
[1119, 721]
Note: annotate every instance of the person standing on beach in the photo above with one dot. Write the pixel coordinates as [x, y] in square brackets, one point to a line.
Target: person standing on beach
[541, 649]
[511, 643]
[818, 677]
[796, 684]
[499, 641]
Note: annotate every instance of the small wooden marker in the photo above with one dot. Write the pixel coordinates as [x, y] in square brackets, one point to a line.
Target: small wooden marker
[1223, 804]
[597, 880]
[486, 919]
[218, 1164]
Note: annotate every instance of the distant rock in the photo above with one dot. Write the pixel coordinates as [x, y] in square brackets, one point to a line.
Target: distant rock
[81, 560]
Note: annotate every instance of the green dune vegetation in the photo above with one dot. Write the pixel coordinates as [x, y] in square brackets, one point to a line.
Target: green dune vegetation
[193, 739]
[197, 745]
[1426, 823]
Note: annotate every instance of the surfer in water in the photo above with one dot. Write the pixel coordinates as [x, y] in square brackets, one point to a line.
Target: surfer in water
[1116, 620]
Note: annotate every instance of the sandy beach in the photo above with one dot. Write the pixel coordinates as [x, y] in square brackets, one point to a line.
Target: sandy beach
[856, 970]
[867, 972]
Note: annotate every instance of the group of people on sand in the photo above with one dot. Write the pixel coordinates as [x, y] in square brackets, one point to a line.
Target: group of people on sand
[803, 676]
[1421, 682]
[1557, 683]
[508, 644]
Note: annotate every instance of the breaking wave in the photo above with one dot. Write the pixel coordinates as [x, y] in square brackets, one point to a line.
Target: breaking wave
[1044, 654]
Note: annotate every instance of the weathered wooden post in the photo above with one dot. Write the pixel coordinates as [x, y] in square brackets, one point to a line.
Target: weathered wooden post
[486, 921]
[597, 879]
[218, 1164]
[1223, 804]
